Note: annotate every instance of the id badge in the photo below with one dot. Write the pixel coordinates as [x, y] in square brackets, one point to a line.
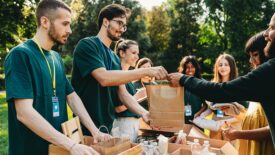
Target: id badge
[55, 106]
[188, 110]
[220, 113]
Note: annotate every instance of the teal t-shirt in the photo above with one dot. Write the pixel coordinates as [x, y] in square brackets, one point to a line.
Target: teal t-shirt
[27, 77]
[195, 102]
[91, 54]
[144, 104]
[127, 113]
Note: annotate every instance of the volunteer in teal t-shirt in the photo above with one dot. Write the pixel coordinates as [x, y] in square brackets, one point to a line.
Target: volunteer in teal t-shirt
[89, 55]
[37, 88]
[97, 75]
[126, 122]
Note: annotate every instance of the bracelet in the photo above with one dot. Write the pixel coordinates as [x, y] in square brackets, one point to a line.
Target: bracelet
[72, 146]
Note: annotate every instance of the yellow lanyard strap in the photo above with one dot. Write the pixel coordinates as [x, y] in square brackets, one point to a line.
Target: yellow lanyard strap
[49, 67]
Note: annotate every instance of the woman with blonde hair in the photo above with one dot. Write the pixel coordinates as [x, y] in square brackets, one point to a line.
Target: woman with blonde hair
[126, 123]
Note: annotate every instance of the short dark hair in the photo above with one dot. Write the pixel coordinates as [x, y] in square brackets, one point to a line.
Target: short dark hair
[190, 59]
[143, 61]
[123, 45]
[257, 43]
[46, 7]
[111, 11]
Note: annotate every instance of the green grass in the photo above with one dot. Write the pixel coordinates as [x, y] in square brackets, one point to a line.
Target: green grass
[3, 125]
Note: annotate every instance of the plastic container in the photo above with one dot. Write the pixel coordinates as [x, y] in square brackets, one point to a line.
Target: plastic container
[196, 148]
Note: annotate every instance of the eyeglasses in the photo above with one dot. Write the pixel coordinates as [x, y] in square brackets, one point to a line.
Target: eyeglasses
[121, 24]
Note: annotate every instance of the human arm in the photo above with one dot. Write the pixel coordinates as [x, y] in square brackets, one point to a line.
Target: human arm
[140, 95]
[254, 134]
[27, 115]
[252, 86]
[118, 77]
[78, 109]
[89, 60]
[131, 103]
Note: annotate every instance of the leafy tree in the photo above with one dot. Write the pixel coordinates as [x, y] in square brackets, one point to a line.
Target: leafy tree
[86, 23]
[17, 23]
[158, 24]
[235, 21]
[184, 38]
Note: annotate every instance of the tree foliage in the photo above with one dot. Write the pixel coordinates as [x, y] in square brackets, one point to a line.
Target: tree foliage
[184, 38]
[158, 23]
[204, 28]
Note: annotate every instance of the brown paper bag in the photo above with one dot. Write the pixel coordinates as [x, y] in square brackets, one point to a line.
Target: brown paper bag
[166, 105]
[113, 146]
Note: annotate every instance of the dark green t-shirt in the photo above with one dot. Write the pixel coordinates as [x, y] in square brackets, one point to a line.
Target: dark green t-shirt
[127, 113]
[195, 102]
[27, 77]
[91, 54]
[144, 103]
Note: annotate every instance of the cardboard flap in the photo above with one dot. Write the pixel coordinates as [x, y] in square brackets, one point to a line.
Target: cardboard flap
[182, 151]
[229, 149]
[195, 132]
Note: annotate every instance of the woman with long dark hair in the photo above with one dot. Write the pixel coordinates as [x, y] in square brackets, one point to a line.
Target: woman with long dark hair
[193, 104]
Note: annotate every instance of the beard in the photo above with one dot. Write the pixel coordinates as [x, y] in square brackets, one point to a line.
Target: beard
[109, 34]
[54, 36]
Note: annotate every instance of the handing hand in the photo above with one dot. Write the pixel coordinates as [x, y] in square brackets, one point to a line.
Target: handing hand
[158, 72]
[174, 78]
[146, 117]
[80, 149]
[100, 136]
[231, 133]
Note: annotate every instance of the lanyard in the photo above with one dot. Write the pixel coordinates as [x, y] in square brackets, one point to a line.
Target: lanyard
[109, 64]
[188, 97]
[53, 76]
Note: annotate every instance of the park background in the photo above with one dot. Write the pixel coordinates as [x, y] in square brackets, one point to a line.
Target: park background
[165, 33]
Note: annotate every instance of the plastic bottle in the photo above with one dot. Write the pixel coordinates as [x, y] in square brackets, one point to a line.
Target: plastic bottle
[196, 148]
[150, 150]
[181, 138]
[205, 150]
[156, 151]
[163, 144]
[144, 147]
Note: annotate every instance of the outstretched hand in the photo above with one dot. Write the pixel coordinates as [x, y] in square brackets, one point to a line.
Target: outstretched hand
[174, 78]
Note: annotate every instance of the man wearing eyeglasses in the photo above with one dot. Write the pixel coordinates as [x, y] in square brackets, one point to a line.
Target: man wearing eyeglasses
[97, 76]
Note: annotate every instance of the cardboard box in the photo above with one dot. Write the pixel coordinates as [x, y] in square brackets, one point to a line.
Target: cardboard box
[220, 147]
[182, 151]
[174, 147]
[106, 148]
[190, 130]
[56, 150]
[113, 146]
[134, 150]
